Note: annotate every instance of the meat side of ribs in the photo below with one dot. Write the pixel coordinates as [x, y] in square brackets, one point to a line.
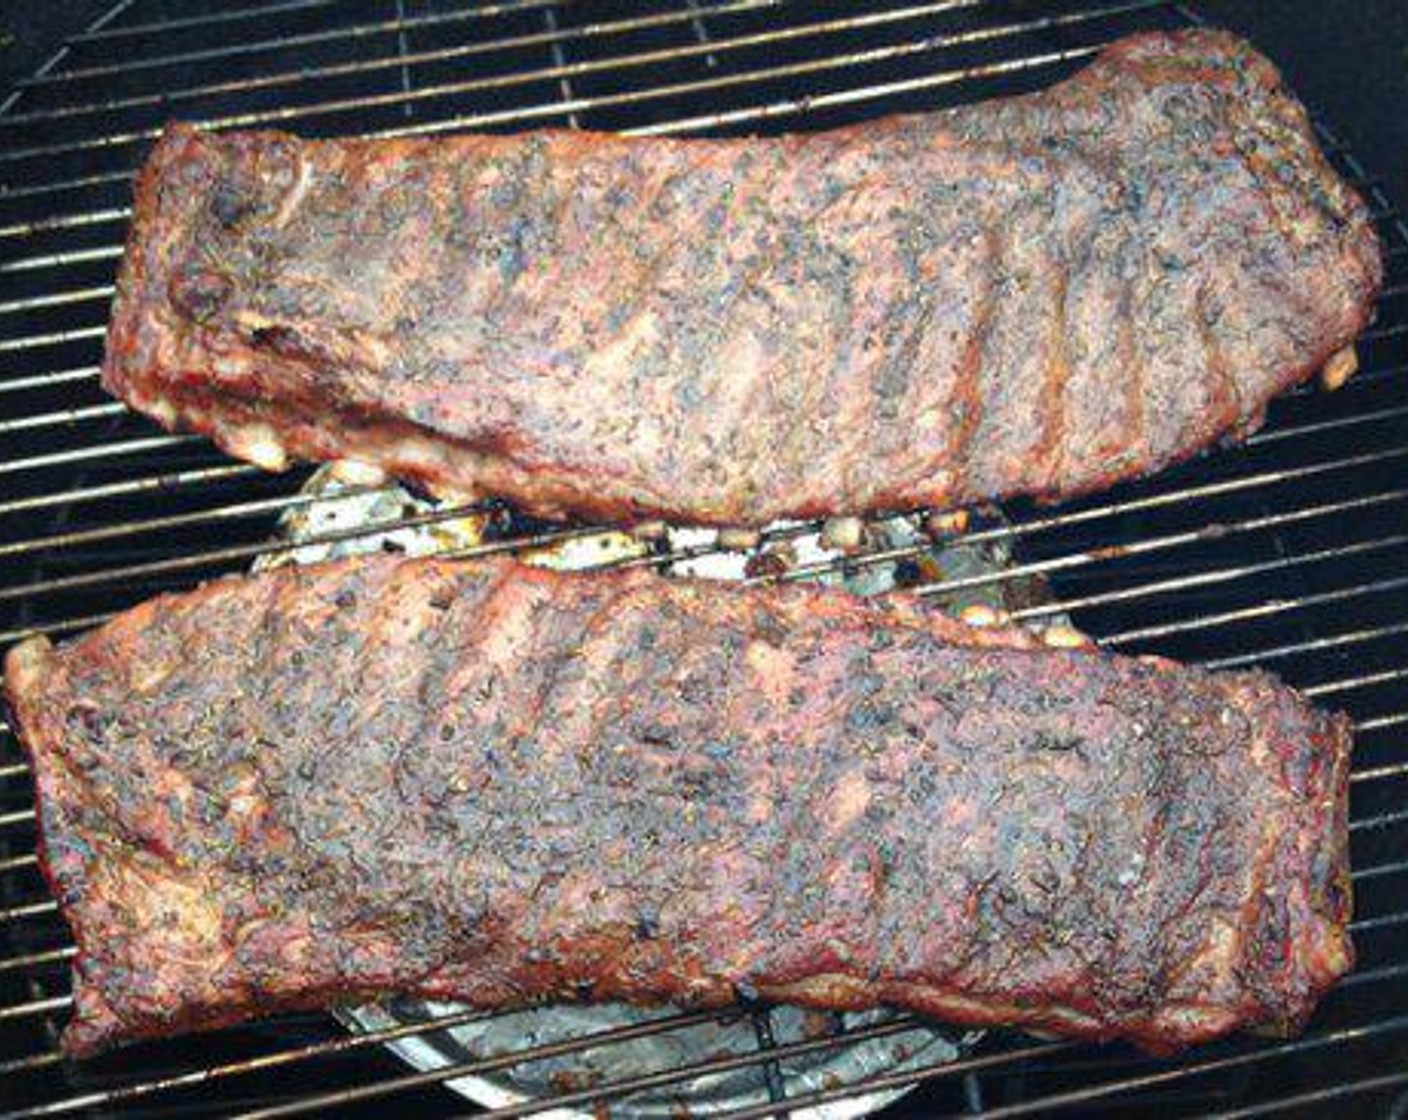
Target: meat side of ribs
[1039, 296]
[500, 785]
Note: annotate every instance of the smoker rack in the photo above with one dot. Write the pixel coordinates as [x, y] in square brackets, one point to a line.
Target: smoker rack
[1289, 551]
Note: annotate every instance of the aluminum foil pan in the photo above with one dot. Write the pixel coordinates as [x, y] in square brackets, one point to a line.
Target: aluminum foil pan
[694, 552]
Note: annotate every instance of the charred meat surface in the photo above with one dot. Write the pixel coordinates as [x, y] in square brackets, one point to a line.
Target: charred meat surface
[1040, 296]
[487, 783]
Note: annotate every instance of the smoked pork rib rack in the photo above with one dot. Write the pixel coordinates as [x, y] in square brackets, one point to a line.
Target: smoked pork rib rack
[498, 785]
[1041, 296]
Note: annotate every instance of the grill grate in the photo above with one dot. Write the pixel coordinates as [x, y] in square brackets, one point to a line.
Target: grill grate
[1287, 551]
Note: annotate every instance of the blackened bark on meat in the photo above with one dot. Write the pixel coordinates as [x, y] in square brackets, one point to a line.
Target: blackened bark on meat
[500, 785]
[1041, 296]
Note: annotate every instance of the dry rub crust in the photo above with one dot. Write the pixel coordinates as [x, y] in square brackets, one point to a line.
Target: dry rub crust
[1040, 296]
[503, 786]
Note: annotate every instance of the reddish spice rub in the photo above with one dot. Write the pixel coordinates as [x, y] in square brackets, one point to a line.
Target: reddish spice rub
[481, 782]
[1039, 296]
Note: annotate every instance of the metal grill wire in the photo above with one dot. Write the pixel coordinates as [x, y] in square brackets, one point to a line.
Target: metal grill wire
[1288, 551]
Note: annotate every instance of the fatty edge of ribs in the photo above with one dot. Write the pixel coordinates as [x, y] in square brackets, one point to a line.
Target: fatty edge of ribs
[1040, 296]
[494, 784]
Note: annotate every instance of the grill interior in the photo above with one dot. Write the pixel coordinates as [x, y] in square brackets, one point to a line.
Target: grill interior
[1287, 552]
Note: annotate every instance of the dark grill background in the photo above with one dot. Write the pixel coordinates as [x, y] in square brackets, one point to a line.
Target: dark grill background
[1287, 552]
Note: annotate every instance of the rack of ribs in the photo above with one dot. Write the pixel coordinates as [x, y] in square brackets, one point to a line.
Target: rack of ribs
[500, 785]
[1039, 296]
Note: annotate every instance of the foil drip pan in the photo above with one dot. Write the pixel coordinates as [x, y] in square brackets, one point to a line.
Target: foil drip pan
[697, 553]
